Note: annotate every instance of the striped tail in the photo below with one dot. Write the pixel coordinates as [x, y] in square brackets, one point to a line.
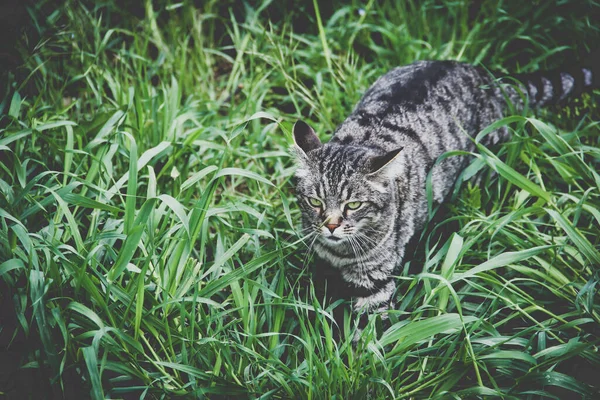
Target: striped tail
[545, 88]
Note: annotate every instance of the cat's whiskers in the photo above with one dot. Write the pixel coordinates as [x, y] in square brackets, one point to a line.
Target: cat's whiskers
[298, 234]
[356, 255]
[370, 229]
[367, 239]
[376, 242]
[311, 250]
[359, 253]
[371, 255]
[302, 235]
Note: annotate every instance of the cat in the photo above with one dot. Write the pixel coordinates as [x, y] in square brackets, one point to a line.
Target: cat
[363, 195]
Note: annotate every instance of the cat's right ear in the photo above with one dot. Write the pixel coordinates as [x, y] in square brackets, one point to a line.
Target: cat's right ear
[305, 137]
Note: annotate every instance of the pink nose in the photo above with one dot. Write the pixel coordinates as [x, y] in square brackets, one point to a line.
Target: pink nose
[332, 227]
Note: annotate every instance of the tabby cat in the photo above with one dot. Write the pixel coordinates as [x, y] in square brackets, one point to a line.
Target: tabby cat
[363, 194]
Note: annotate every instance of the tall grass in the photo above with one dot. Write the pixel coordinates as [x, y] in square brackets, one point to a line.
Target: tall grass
[148, 233]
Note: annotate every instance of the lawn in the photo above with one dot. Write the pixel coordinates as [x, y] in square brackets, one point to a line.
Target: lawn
[149, 236]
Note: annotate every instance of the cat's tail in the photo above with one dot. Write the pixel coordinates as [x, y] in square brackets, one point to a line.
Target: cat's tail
[544, 88]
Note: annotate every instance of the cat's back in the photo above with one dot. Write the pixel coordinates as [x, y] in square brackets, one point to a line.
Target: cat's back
[418, 86]
[425, 104]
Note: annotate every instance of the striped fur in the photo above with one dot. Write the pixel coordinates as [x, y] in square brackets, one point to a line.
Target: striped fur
[554, 87]
[381, 156]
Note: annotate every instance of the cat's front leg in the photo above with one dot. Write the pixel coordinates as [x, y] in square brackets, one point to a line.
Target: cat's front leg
[378, 301]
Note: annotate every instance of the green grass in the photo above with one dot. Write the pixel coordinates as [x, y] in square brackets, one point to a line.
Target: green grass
[149, 242]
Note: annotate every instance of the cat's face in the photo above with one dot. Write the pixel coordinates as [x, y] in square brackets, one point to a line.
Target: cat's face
[346, 197]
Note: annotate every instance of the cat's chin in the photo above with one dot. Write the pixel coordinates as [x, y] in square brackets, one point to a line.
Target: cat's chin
[332, 240]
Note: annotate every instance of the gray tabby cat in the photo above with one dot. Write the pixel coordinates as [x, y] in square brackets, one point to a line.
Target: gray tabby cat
[363, 194]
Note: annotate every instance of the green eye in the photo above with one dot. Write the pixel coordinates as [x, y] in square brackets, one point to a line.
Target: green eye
[314, 202]
[353, 205]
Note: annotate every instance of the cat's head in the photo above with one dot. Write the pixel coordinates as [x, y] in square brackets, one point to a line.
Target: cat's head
[346, 193]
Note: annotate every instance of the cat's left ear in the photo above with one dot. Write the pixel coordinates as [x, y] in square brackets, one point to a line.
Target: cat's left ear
[305, 137]
[384, 164]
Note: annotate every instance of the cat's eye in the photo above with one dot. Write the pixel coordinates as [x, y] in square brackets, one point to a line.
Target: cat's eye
[354, 205]
[314, 202]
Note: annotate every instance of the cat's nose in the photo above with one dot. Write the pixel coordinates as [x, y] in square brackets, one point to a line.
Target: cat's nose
[332, 227]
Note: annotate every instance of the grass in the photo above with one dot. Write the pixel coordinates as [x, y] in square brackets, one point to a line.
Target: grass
[148, 232]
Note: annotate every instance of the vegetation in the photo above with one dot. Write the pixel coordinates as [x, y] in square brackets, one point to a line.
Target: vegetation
[149, 241]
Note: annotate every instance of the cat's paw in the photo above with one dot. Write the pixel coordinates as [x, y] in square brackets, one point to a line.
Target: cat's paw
[381, 323]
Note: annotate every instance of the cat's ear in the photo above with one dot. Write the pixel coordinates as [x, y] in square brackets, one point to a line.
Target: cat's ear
[380, 165]
[305, 137]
